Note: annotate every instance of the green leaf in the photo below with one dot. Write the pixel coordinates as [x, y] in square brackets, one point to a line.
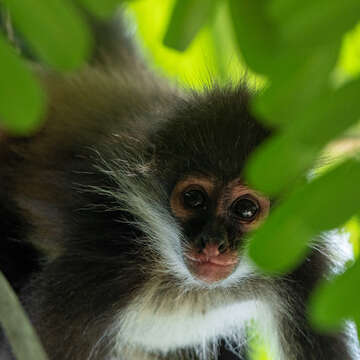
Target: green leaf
[21, 97]
[314, 22]
[328, 116]
[286, 156]
[54, 29]
[23, 339]
[337, 300]
[315, 207]
[292, 92]
[278, 162]
[255, 33]
[187, 18]
[103, 9]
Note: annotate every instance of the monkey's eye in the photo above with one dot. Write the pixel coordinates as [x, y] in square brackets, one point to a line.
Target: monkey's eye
[245, 209]
[194, 199]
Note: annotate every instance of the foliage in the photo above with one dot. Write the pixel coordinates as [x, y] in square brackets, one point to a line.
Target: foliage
[211, 54]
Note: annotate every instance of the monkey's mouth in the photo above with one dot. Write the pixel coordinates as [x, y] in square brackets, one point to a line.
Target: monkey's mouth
[209, 265]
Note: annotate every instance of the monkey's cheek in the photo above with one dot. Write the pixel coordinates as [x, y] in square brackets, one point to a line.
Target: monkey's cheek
[210, 272]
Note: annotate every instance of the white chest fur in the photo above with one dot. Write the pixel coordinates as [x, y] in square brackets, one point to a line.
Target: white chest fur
[184, 327]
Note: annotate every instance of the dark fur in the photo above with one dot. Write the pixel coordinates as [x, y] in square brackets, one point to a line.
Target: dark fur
[77, 244]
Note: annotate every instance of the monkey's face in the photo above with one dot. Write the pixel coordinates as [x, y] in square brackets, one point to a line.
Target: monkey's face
[199, 156]
[215, 217]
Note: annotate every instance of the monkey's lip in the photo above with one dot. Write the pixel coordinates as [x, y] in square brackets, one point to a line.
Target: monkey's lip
[211, 269]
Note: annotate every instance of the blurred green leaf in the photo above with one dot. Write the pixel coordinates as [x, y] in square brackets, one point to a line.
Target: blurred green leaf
[288, 155]
[256, 34]
[103, 8]
[278, 162]
[212, 53]
[21, 97]
[293, 224]
[259, 40]
[293, 92]
[187, 18]
[314, 22]
[54, 29]
[328, 116]
[223, 46]
[337, 300]
[23, 339]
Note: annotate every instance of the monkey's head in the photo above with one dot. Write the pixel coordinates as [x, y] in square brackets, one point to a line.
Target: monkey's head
[167, 170]
[200, 156]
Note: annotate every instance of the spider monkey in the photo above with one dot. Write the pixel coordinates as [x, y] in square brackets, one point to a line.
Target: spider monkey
[125, 221]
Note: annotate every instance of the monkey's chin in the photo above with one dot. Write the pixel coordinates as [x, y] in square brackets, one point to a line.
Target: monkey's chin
[211, 270]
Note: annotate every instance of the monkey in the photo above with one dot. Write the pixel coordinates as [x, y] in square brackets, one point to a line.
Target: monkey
[127, 216]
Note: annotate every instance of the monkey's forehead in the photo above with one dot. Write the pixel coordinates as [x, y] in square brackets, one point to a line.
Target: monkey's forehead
[211, 135]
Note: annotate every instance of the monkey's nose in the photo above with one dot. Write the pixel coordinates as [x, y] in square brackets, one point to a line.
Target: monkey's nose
[211, 250]
[212, 245]
[209, 264]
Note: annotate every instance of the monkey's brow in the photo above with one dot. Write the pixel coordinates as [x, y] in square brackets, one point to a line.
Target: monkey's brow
[197, 174]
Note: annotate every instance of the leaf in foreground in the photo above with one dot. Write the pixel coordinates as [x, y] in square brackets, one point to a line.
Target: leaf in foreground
[187, 18]
[337, 300]
[103, 8]
[21, 97]
[282, 243]
[54, 29]
[286, 156]
[24, 341]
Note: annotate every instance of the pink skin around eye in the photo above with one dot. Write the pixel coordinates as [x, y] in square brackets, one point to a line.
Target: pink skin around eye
[210, 265]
